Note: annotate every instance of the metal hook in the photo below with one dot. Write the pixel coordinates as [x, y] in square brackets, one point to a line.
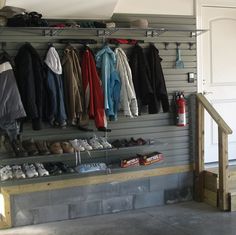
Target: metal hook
[191, 45]
[166, 45]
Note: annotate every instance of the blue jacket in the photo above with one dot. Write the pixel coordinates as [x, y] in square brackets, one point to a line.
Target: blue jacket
[106, 61]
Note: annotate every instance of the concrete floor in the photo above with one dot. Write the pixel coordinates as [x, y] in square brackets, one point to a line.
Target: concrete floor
[188, 218]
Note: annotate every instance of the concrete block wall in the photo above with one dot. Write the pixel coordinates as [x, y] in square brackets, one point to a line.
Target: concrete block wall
[70, 203]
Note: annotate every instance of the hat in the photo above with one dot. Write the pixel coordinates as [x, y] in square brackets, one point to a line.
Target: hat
[140, 23]
[9, 11]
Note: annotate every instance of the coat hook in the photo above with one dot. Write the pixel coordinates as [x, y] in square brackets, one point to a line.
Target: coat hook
[190, 45]
[166, 45]
[178, 44]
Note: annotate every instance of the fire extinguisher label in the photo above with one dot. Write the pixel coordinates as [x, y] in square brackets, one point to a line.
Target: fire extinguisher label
[182, 119]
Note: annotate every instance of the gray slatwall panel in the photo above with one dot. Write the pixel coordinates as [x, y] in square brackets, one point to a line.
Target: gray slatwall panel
[177, 146]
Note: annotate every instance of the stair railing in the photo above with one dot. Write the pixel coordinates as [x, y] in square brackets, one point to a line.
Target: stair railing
[223, 131]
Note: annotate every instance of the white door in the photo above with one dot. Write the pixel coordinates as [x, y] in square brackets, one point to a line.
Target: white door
[217, 70]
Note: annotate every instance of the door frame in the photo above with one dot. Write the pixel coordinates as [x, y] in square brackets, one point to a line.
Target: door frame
[198, 11]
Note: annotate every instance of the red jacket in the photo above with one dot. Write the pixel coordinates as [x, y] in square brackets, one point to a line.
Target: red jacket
[94, 98]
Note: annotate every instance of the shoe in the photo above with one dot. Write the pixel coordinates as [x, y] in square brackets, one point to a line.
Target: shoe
[6, 173]
[103, 141]
[65, 168]
[77, 145]
[17, 172]
[30, 170]
[95, 143]
[91, 167]
[41, 170]
[55, 148]
[42, 147]
[67, 147]
[30, 147]
[52, 168]
[18, 149]
[85, 144]
[141, 141]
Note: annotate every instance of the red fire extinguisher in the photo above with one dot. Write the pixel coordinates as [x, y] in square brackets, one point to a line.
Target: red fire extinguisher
[181, 109]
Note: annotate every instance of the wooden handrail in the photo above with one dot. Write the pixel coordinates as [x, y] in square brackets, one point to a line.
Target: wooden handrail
[214, 114]
[223, 131]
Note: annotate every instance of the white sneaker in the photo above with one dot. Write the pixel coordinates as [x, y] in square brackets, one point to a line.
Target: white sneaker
[30, 170]
[77, 145]
[6, 173]
[95, 143]
[17, 172]
[85, 144]
[103, 141]
[41, 170]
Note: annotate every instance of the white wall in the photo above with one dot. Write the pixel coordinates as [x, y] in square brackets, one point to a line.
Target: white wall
[170, 7]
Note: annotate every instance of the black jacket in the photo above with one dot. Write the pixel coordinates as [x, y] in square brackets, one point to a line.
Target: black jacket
[157, 81]
[140, 76]
[30, 76]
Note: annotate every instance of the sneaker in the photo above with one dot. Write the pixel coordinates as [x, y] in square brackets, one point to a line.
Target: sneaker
[30, 170]
[103, 141]
[42, 147]
[18, 148]
[94, 142]
[30, 147]
[85, 144]
[53, 169]
[17, 172]
[65, 168]
[41, 170]
[77, 145]
[6, 173]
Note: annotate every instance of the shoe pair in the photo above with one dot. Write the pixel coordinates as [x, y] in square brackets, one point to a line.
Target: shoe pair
[94, 142]
[60, 148]
[77, 145]
[103, 141]
[6, 173]
[35, 170]
[91, 167]
[58, 168]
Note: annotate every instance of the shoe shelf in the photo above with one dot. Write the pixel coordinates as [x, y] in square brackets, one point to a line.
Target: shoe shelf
[10, 159]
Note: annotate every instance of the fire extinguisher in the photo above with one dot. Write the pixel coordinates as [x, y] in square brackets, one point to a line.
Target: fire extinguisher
[180, 109]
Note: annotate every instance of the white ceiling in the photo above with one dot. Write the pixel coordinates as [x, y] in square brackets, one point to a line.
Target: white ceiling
[69, 9]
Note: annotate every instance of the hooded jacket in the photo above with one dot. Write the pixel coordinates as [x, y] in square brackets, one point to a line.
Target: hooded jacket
[106, 61]
[57, 113]
[10, 100]
[94, 98]
[128, 101]
[29, 76]
[141, 77]
[160, 96]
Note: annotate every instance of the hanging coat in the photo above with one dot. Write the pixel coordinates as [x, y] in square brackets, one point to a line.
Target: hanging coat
[30, 76]
[160, 96]
[57, 113]
[106, 61]
[73, 87]
[94, 98]
[128, 101]
[141, 77]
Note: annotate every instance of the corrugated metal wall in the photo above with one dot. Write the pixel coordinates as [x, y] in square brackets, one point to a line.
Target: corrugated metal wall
[175, 142]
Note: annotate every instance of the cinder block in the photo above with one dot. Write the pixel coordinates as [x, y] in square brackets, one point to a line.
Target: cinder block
[148, 199]
[185, 179]
[31, 200]
[163, 182]
[85, 208]
[50, 213]
[116, 204]
[22, 217]
[134, 186]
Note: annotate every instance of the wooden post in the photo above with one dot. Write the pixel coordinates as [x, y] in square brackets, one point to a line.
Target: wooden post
[223, 170]
[199, 164]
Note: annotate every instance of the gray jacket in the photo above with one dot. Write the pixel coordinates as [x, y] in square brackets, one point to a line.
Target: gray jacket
[11, 107]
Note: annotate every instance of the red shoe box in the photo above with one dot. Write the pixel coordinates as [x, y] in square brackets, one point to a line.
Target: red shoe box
[150, 158]
[129, 162]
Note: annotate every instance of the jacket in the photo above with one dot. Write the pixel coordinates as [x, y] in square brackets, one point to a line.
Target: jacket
[10, 100]
[73, 86]
[94, 98]
[160, 96]
[141, 77]
[106, 61]
[57, 113]
[29, 76]
[128, 101]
